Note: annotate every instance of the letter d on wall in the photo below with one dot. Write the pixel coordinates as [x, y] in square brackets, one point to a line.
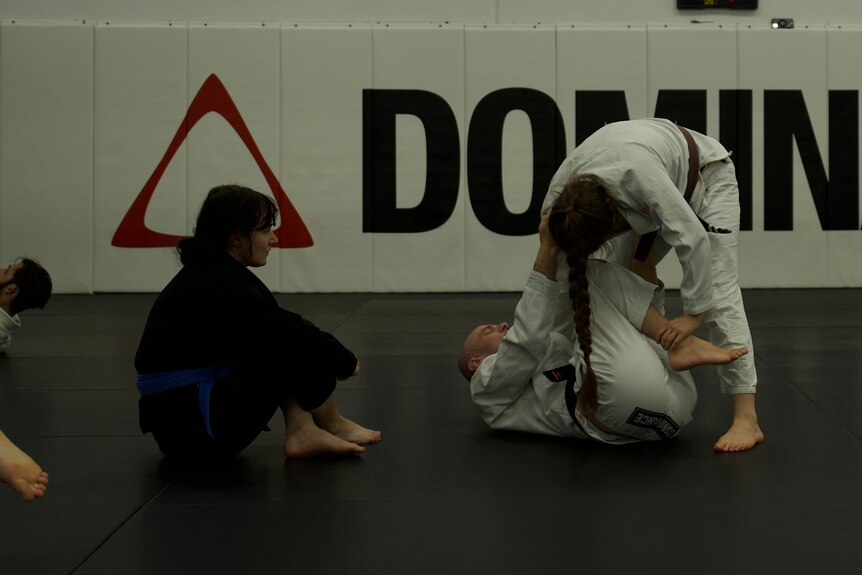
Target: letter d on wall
[379, 211]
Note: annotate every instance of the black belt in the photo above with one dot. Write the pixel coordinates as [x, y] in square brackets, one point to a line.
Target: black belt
[569, 374]
[647, 240]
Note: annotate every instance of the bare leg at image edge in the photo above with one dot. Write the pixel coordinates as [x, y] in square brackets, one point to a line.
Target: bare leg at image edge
[20, 471]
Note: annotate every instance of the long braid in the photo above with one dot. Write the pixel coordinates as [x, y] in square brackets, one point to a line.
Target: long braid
[582, 218]
[579, 294]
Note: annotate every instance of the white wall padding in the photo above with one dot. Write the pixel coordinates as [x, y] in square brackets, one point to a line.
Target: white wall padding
[140, 105]
[844, 247]
[774, 258]
[406, 157]
[324, 70]
[245, 60]
[46, 149]
[510, 74]
[425, 59]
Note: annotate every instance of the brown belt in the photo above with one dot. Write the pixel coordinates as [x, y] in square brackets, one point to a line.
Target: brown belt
[647, 240]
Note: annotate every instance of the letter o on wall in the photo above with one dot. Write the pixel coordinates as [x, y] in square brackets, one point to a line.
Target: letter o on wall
[485, 156]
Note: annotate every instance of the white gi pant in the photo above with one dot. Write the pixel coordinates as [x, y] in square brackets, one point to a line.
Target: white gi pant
[639, 395]
[726, 319]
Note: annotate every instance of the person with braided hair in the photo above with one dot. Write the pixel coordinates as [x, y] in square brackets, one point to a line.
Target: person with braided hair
[670, 187]
[529, 377]
[579, 225]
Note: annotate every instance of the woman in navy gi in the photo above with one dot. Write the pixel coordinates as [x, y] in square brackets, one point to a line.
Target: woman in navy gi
[218, 356]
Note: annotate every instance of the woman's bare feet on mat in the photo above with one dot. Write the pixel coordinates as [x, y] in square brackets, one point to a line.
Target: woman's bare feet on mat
[20, 471]
[693, 351]
[313, 442]
[352, 431]
[329, 418]
[323, 431]
[303, 438]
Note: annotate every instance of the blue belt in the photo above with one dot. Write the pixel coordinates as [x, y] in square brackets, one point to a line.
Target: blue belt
[151, 383]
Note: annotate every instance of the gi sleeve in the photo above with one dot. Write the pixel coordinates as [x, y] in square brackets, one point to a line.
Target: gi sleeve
[502, 377]
[281, 337]
[7, 325]
[322, 349]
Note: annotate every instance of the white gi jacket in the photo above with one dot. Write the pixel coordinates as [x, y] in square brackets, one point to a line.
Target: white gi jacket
[509, 387]
[7, 325]
[643, 164]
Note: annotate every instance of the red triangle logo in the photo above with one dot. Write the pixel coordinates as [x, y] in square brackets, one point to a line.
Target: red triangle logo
[212, 97]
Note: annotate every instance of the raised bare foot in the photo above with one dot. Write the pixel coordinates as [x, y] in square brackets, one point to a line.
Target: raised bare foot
[20, 471]
[693, 351]
[742, 436]
[311, 441]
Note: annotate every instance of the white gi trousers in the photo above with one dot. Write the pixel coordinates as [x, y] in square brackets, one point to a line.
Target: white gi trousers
[726, 319]
[639, 395]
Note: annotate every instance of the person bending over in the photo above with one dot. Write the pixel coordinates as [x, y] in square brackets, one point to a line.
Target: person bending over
[673, 188]
[218, 356]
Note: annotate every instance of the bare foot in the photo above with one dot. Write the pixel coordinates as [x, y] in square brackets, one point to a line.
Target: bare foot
[311, 441]
[329, 418]
[351, 431]
[693, 351]
[742, 436]
[20, 471]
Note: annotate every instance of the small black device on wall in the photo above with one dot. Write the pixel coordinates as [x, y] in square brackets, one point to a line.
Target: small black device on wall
[700, 4]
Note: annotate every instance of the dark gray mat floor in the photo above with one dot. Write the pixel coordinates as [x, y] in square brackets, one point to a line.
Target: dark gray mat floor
[441, 493]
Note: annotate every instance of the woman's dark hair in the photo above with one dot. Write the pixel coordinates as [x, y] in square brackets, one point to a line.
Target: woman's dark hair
[581, 219]
[227, 210]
